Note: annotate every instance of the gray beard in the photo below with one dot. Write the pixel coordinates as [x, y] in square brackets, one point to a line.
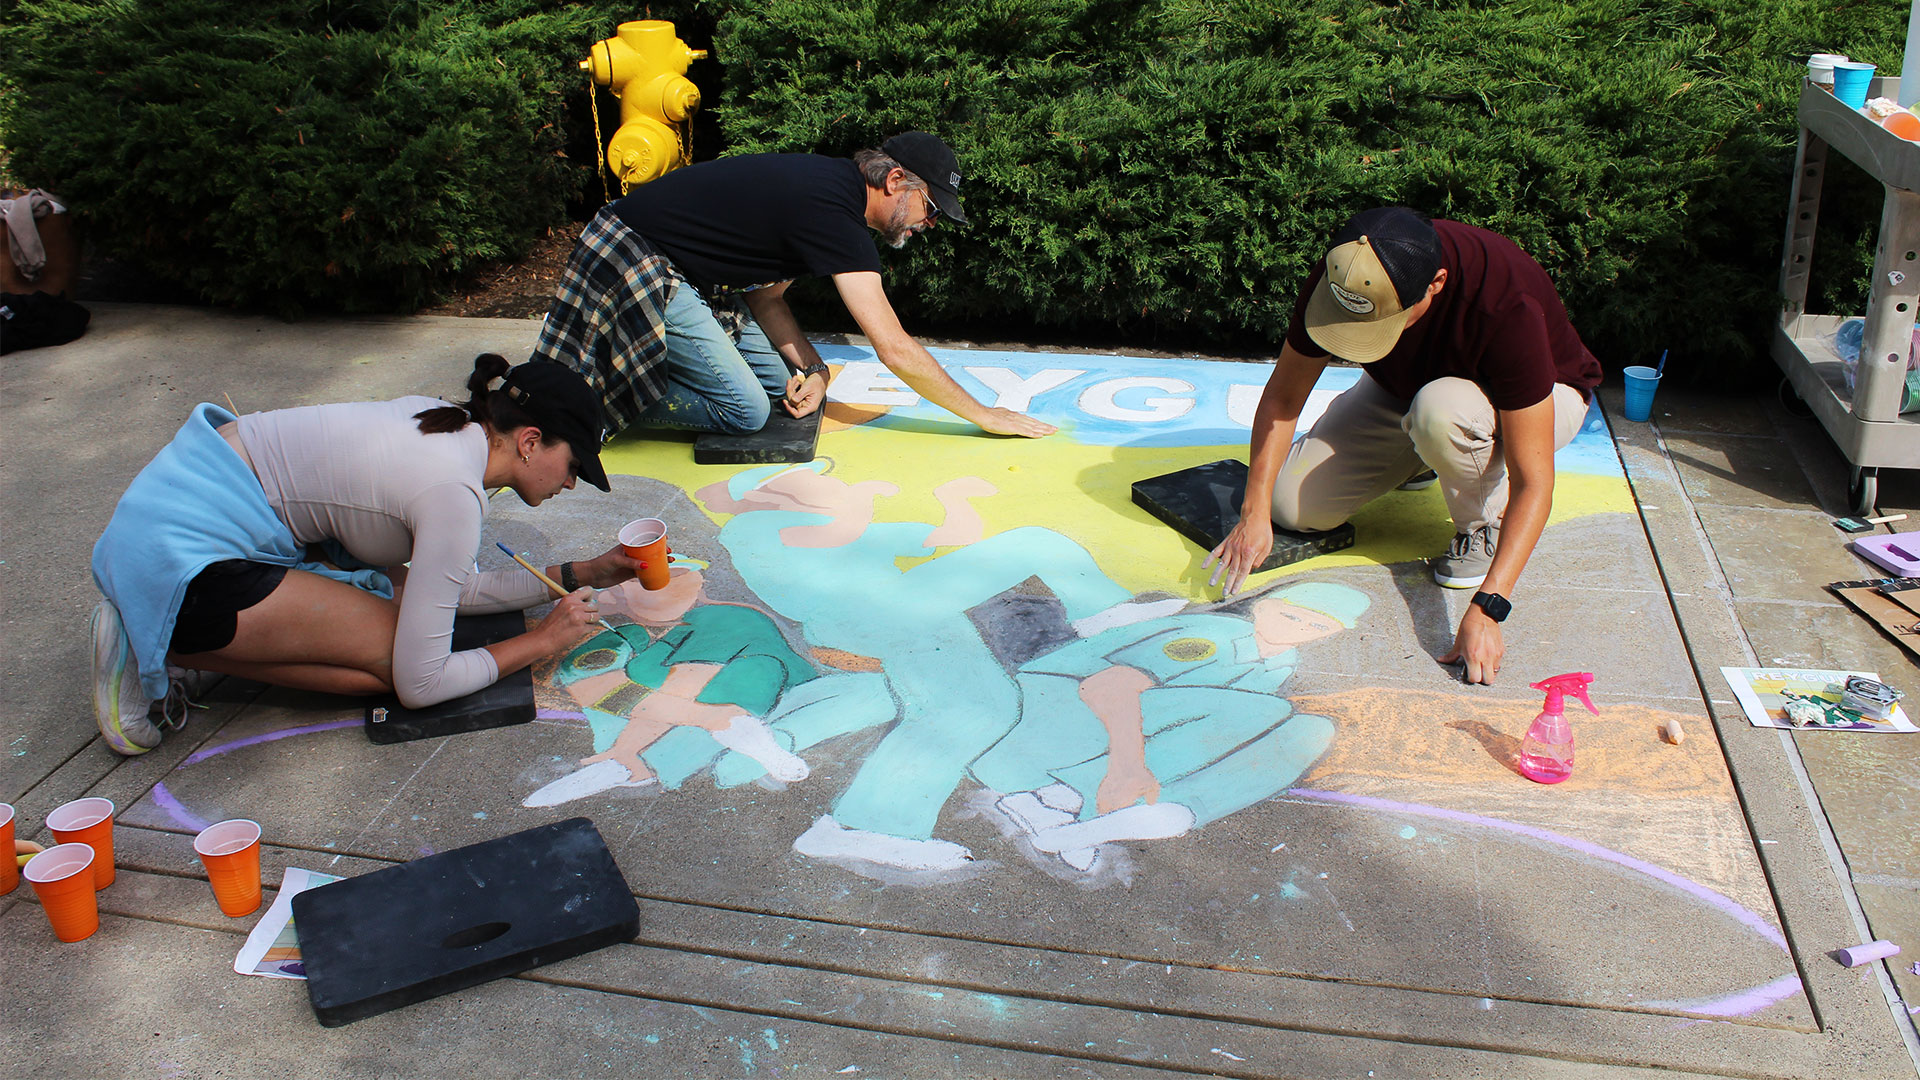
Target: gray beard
[897, 232]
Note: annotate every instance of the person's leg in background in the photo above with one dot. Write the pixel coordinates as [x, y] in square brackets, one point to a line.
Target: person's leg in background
[1356, 452]
[1456, 431]
[712, 384]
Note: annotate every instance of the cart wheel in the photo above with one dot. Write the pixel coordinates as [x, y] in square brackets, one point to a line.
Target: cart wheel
[1864, 490]
[1791, 400]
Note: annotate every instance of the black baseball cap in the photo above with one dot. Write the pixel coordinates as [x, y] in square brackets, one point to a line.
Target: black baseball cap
[561, 404]
[930, 159]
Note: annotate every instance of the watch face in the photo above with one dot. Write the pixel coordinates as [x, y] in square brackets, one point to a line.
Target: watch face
[1495, 605]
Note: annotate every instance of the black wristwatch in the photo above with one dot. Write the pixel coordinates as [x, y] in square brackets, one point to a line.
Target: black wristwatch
[567, 580]
[818, 367]
[1495, 605]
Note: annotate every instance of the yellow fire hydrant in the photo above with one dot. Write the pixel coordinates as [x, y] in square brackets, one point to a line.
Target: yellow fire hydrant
[645, 65]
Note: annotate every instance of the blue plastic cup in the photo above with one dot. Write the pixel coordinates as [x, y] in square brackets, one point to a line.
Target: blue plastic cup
[1641, 383]
[1850, 81]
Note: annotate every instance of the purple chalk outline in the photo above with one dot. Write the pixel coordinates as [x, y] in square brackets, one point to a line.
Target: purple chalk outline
[1738, 1003]
[255, 740]
[164, 800]
[558, 714]
[1713, 899]
[179, 813]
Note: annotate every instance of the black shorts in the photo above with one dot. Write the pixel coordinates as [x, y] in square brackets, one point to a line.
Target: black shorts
[215, 597]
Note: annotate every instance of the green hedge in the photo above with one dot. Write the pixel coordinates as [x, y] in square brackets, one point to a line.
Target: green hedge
[1172, 168]
[1162, 169]
[353, 153]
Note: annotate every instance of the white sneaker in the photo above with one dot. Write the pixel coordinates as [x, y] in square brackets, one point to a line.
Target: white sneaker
[119, 704]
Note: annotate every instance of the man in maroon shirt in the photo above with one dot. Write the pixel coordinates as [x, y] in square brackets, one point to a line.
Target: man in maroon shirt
[1471, 368]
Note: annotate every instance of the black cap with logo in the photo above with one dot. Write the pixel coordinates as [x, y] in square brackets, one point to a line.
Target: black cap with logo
[561, 404]
[927, 157]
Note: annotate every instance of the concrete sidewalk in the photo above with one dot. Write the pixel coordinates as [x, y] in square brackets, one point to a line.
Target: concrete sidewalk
[751, 963]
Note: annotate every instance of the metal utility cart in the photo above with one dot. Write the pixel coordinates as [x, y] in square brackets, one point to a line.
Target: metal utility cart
[1866, 423]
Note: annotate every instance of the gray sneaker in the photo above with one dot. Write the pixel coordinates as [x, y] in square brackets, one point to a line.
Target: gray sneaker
[119, 705]
[1468, 558]
[1420, 481]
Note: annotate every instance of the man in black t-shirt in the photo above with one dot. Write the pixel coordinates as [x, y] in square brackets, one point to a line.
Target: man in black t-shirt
[673, 305]
[1471, 368]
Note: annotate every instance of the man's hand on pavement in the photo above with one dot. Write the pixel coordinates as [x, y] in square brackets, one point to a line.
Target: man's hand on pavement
[1245, 548]
[1007, 422]
[1479, 646]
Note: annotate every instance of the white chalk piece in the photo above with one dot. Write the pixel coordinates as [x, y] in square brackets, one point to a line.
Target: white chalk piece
[1855, 955]
[1673, 731]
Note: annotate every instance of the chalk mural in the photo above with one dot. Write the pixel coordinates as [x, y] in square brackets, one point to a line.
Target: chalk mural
[1098, 716]
[965, 663]
[1005, 633]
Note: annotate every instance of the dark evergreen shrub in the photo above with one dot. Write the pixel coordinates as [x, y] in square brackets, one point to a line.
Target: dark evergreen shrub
[1159, 167]
[1173, 167]
[353, 153]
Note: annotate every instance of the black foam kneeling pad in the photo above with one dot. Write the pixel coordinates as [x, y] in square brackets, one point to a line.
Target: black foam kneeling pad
[1203, 505]
[397, 936]
[509, 701]
[784, 441]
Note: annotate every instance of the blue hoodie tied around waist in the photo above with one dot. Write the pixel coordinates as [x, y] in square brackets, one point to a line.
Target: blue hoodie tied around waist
[195, 504]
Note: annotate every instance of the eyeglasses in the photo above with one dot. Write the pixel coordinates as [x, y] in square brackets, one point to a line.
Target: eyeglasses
[933, 209]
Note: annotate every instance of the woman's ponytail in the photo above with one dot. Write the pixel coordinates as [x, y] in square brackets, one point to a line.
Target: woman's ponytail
[477, 409]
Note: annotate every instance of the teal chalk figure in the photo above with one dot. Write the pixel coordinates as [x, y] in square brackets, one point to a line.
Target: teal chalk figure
[696, 690]
[807, 545]
[1148, 730]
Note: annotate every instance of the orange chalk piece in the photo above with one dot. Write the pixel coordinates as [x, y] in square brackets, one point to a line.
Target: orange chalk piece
[1674, 733]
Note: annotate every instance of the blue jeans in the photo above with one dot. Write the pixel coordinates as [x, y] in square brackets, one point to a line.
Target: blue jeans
[713, 384]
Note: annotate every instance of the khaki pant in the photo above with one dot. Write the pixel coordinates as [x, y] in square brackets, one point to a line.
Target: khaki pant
[1369, 442]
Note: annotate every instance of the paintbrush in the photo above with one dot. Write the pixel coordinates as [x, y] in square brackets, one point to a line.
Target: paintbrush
[549, 582]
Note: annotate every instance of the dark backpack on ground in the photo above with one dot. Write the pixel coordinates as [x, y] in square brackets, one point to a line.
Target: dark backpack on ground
[36, 320]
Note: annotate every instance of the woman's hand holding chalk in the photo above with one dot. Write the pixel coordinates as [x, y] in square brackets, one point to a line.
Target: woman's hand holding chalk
[550, 583]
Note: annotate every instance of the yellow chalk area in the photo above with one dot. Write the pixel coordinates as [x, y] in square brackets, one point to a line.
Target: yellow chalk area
[1085, 492]
[1631, 790]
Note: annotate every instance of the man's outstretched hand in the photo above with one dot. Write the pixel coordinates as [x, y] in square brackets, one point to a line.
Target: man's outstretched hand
[1007, 422]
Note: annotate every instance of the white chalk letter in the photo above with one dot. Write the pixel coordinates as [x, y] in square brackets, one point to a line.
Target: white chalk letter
[868, 382]
[1098, 400]
[1017, 393]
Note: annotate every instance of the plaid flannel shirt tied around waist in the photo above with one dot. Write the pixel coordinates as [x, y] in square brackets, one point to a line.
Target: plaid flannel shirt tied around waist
[608, 320]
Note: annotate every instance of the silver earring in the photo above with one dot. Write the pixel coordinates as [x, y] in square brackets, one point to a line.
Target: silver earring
[523, 459]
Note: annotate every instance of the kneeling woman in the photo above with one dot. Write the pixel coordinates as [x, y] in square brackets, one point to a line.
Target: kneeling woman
[262, 547]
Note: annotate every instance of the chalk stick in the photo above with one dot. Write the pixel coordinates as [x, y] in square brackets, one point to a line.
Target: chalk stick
[1855, 955]
[1674, 733]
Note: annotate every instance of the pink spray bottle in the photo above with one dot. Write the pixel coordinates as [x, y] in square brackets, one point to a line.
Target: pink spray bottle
[1547, 753]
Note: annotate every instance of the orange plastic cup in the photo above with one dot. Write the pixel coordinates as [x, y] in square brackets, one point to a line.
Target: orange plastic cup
[230, 850]
[89, 822]
[646, 540]
[9, 866]
[62, 877]
[1904, 124]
